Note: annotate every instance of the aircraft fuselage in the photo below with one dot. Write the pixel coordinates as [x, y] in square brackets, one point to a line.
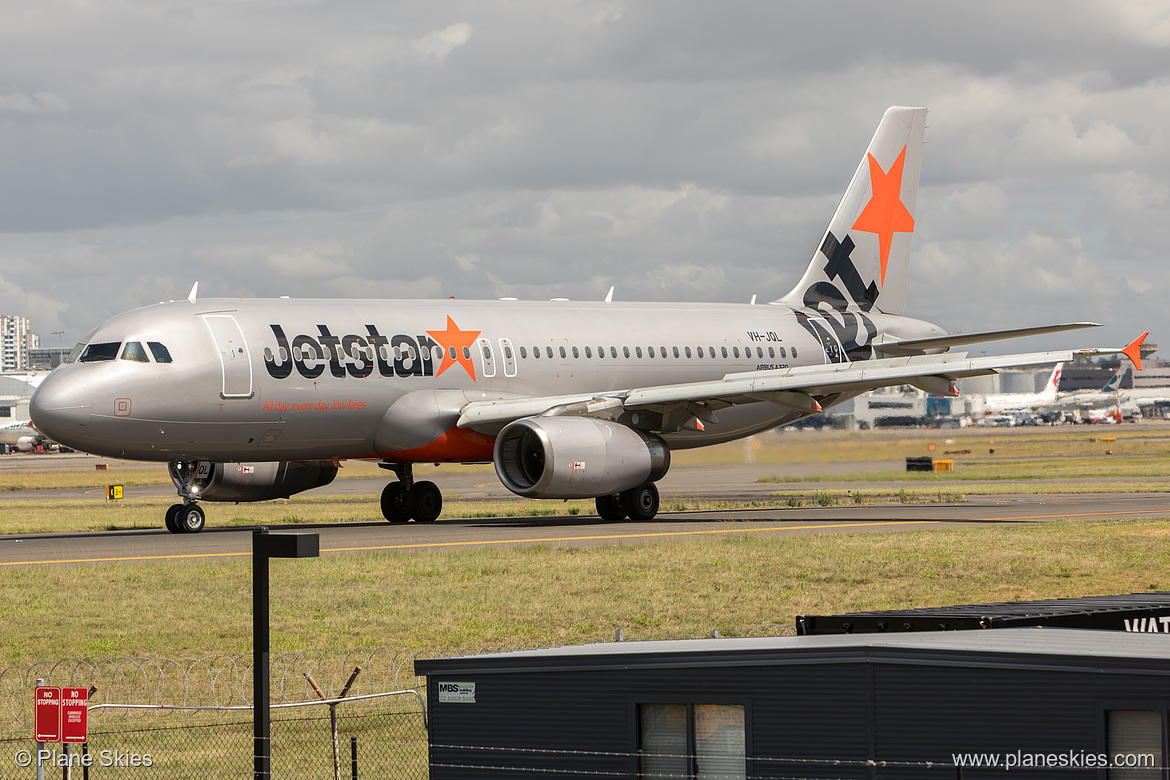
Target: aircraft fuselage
[281, 379]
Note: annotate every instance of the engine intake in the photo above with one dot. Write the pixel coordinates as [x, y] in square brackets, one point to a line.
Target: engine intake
[576, 457]
[259, 481]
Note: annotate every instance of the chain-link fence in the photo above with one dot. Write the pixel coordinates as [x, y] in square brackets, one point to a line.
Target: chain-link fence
[376, 738]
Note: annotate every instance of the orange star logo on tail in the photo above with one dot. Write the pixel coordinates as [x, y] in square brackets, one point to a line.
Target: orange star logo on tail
[885, 214]
[454, 342]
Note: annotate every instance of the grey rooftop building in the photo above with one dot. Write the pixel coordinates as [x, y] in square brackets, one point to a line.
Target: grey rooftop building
[832, 706]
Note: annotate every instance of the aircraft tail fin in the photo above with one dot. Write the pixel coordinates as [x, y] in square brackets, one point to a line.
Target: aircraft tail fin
[864, 257]
[1053, 385]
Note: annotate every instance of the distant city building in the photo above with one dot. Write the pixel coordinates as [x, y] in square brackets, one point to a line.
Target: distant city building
[15, 342]
[45, 358]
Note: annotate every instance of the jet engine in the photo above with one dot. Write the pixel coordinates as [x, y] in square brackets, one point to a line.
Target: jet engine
[259, 481]
[27, 443]
[576, 457]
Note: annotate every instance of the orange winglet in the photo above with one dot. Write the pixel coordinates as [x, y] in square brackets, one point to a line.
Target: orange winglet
[1134, 350]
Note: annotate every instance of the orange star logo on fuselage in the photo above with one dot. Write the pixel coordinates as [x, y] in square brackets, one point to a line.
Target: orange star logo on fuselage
[885, 214]
[454, 342]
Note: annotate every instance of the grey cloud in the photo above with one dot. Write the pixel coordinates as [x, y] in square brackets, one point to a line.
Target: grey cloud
[688, 150]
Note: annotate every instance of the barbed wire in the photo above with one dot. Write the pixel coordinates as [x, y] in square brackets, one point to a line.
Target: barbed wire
[223, 680]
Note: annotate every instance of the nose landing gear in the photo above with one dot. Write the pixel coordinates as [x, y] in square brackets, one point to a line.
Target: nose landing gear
[187, 517]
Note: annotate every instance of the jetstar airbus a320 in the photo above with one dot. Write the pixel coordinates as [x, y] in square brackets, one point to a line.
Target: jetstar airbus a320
[249, 400]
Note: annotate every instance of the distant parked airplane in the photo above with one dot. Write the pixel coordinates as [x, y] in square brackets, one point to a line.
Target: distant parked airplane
[21, 435]
[252, 399]
[1004, 402]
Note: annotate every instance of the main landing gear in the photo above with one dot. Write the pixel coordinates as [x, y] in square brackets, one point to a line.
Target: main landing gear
[187, 517]
[407, 499]
[639, 504]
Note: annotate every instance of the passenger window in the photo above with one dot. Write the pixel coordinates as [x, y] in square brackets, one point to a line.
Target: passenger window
[637, 351]
[135, 352]
[734, 351]
[94, 353]
[588, 352]
[576, 354]
[712, 351]
[507, 354]
[688, 351]
[563, 353]
[723, 351]
[760, 352]
[613, 352]
[650, 351]
[523, 353]
[536, 352]
[783, 352]
[626, 352]
[771, 352]
[486, 356]
[676, 351]
[548, 351]
[794, 353]
[466, 353]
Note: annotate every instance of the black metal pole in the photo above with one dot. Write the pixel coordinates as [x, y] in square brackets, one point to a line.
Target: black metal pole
[353, 757]
[263, 725]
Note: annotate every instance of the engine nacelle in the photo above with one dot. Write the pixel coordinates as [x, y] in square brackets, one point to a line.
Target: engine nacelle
[576, 457]
[26, 443]
[259, 481]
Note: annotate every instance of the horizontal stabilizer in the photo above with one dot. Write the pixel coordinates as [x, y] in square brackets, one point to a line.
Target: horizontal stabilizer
[919, 346]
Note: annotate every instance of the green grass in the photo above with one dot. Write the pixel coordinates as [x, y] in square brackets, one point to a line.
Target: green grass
[1100, 468]
[473, 598]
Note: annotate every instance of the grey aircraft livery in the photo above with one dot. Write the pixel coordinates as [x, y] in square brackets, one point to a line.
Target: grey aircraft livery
[255, 399]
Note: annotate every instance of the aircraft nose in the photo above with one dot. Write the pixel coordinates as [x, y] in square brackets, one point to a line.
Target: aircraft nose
[60, 407]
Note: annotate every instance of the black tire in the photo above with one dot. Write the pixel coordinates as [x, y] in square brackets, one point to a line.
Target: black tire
[394, 503]
[610, 508]
[641, 503]
[190, 519]
[172, 518]
[425, 502]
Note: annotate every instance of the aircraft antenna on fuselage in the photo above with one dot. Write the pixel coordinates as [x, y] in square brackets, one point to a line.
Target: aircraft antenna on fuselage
[194, 291]
[609, 295]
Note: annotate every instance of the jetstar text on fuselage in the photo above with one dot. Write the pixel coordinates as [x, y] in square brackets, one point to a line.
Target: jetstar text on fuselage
[361, 355]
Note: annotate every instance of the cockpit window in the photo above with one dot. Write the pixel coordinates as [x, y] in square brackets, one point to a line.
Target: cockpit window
[106, 350]
[135, 352]
[74, 353]
[160, 352]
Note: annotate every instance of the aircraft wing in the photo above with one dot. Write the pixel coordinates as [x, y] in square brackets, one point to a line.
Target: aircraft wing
[798, 387]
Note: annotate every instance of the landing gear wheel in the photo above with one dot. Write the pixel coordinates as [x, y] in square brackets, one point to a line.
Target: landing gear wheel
[425, 502]
[641, 502]
[172, 518]
[190, 519]
[610, 508]
[394, 503]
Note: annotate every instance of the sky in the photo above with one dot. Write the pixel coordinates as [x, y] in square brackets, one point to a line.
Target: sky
[682, 150]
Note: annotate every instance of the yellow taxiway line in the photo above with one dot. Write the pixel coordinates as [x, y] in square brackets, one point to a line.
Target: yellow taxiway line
[423, 545]
[484, 542]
